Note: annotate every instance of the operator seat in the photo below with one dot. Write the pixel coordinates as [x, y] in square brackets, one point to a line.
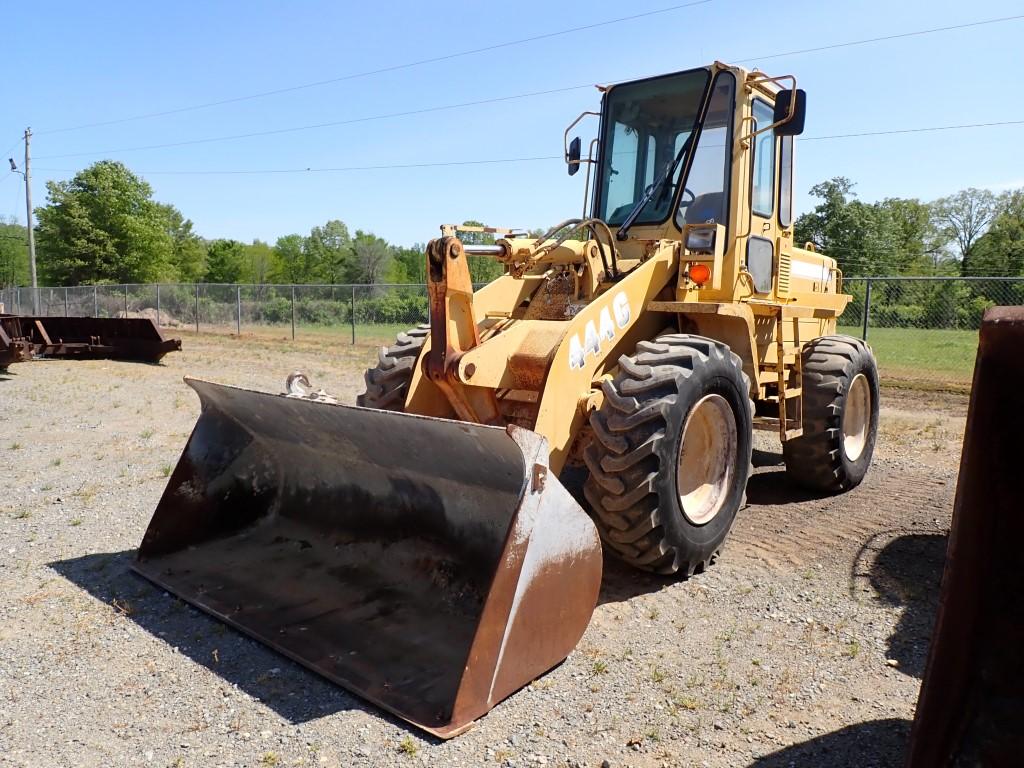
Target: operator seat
[705, 208]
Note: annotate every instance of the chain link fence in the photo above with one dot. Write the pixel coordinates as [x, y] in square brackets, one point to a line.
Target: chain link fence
[363, 313]
[922, 328]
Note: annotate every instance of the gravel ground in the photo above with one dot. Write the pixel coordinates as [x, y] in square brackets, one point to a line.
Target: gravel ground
[803, 646]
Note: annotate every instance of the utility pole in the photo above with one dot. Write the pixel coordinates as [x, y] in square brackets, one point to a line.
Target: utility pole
[28, 214]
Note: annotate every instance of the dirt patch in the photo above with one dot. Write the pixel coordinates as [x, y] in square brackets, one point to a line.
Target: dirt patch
[802, 646]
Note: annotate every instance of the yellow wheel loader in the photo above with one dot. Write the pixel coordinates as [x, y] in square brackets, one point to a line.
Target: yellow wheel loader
[423, 549]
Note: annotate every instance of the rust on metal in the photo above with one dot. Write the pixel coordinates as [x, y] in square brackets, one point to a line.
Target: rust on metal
[431, 566]
[971, 705]
[23, 337]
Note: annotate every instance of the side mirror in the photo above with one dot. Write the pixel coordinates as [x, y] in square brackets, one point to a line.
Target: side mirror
[791, 107]
[573, 158]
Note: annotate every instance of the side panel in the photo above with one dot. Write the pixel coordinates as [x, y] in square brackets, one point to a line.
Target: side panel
[608, 327]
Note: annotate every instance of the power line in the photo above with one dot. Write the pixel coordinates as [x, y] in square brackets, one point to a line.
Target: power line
[913, 130]
[381, 70]
[334, 170]
[314, 126]
[493, 100]
[534, 158]
[883, 39]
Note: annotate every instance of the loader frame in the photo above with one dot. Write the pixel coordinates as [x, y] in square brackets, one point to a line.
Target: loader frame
[524, 350]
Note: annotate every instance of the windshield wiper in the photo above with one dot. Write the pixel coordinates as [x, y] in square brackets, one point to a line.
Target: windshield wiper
[652, 190]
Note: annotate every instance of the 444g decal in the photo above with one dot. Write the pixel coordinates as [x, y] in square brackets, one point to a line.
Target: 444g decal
[595, 334]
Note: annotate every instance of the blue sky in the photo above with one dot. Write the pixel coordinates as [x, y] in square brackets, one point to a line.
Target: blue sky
[74, 63]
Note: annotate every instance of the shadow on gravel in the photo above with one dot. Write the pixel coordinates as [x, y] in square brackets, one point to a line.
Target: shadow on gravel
[874, 743]
[621, 582]
[289, 689]
[773, 486]
[907, 573]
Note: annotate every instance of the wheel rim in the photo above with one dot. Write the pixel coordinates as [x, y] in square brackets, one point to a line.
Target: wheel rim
[856, 417]
[707, 452]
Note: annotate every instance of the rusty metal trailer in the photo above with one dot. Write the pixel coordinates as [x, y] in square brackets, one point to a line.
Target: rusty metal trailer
[23, 337]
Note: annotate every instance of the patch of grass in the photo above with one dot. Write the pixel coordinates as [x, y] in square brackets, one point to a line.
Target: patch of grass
[146, 434]
[166, 470]
[922, 353]
[408, 747]
[15, 446]
[853, 649]
[75, 522]
[56, 462]
[501, 755]
[599, 668]
[270, 759]
[658, 674]
[653, 614]
[22, 514]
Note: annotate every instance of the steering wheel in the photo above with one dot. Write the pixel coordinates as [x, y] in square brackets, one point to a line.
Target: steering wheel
[683, 202]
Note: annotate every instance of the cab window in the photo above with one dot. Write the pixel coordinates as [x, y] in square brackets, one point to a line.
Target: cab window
[762, 195]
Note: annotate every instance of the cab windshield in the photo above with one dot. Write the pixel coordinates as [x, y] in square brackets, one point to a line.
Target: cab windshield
[646, 128]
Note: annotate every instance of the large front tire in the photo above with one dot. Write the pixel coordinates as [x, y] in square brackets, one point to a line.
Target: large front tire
[840, 415]
[387, 384]
[670, 458]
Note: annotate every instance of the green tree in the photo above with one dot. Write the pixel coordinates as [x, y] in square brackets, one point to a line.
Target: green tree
[188, 251]
[258, 263]
[328, 252]
[103, 226]
[290, 264]
[862, 237]
[371, 257]
[1000, 251]
[13, 254]
[963, 218]
[224, 261]
[409, 265]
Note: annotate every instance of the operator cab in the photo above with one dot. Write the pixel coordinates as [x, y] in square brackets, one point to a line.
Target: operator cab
[656, 144]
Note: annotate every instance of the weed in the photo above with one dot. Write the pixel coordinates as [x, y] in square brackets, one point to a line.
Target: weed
[270, 759]
[75, 522]
[653, 735]
[599, 668]
[22, 514]
[658, 674]
[15, 446]
[146, 434]
[853, 649]
[56, 462]
[653, 614]
[166, 470]
[501, 755]
[408, 747]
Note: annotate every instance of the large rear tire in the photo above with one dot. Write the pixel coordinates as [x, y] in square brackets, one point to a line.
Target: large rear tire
[840, 415]
[670, 458]
[387, 384]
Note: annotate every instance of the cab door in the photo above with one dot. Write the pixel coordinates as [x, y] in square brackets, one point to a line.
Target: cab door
[762, 244]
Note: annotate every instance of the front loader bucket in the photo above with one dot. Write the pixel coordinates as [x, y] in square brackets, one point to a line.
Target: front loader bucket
[431, 566]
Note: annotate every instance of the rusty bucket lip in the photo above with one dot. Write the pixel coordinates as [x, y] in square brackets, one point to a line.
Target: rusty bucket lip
[533, 449]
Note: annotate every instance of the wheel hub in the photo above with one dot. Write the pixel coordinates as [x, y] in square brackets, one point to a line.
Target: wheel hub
[707, 455]
[856, 417]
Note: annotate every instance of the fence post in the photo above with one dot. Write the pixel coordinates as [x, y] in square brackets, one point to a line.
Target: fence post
[353, 314]
[17, 301]
[126, 299]
[238, 300]
[293, 313]
[197, 309]
[65, 301]
[867, 309]
[95, 302]
[158, 305]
